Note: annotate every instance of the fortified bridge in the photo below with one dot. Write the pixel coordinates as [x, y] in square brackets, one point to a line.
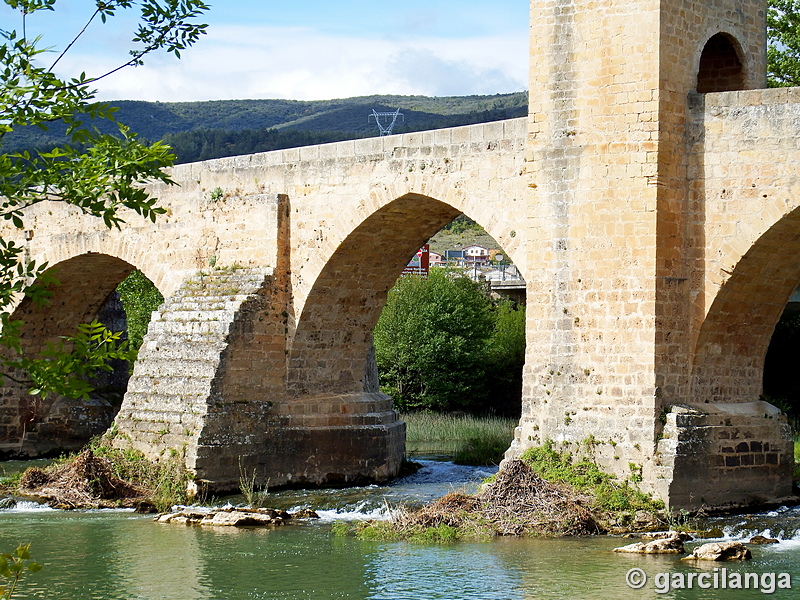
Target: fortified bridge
[651, 201]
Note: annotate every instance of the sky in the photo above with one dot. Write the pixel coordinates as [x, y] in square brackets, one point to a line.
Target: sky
[305, 50]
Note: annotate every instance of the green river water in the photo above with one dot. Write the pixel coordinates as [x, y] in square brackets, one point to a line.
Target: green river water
[118, 555]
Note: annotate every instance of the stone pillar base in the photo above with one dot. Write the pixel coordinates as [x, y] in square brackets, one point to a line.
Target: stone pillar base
[724, 455]
[320, 441]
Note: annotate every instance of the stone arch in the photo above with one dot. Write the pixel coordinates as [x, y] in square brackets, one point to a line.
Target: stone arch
[141, 252]
[328, 350]
[721, 67]
[40, 426]
[735, 334]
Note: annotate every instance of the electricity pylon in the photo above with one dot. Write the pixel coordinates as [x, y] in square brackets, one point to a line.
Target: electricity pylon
[386, 129]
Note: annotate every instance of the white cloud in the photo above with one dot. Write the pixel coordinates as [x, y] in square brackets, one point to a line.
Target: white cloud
[237, 62]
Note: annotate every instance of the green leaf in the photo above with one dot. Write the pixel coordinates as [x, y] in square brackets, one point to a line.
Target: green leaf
[34, 567]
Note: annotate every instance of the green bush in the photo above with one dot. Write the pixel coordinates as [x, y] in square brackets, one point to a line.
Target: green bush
[442, 344]
[431, 342]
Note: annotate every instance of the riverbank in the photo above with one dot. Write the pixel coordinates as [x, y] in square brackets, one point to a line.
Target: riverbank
[119, 555]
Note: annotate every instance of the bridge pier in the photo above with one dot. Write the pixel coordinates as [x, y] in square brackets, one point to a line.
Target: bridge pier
[713, 454]
[647, 331]
[210, 386]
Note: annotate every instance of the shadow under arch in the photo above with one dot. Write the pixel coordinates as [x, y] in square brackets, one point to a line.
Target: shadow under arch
[735, 335]
[722, 65]
[36, 426]
[328, 353]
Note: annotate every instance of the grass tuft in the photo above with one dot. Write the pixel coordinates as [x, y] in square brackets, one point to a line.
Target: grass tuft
[166, 481]
[585, 476]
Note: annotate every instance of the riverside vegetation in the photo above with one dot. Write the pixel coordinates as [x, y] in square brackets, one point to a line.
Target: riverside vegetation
[544, 493]
[468, 439]
[101, 476]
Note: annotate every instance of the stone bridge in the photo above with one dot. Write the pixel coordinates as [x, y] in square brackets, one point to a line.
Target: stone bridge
[650, 200]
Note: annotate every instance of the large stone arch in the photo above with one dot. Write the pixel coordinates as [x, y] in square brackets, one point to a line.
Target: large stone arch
[329, 347]
[735, 334]
[725, 442]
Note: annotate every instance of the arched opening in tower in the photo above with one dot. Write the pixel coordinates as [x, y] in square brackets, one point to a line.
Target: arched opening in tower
[721, 68]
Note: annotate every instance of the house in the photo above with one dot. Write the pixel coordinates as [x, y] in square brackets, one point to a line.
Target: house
[476, 255]
[435, 259]
[454, 258]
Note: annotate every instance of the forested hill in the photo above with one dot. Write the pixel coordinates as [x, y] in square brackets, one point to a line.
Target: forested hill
[213, 129]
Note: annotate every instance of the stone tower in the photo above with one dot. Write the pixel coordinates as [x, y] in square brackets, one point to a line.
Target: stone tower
[615, 219]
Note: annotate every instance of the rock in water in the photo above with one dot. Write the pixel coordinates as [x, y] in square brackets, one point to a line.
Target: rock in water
[665, 535]
[234, 517]
[672, 543]
[720, 551]
[760, 539]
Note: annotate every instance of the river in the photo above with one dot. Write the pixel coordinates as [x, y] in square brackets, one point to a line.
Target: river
[119, 555]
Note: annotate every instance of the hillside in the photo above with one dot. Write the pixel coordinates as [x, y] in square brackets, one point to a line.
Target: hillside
[202, 130]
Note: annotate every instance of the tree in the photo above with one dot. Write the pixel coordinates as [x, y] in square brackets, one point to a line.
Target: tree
[783, 43]
[431, 342]
[98, 173]
[506, 357]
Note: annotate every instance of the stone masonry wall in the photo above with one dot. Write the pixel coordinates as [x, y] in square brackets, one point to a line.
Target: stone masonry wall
[593, 152]
[734, 454]
[748, 194]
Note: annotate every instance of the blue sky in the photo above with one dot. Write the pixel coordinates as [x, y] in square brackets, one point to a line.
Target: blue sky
[308, 50]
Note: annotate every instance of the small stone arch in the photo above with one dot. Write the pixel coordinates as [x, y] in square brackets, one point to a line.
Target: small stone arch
[40, 426]
[721, 67]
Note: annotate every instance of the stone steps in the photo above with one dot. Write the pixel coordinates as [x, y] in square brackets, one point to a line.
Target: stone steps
[173, 380]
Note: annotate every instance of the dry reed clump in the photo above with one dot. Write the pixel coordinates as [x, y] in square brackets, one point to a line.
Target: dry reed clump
[453, 510]
[517, 502]
[85, 482]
